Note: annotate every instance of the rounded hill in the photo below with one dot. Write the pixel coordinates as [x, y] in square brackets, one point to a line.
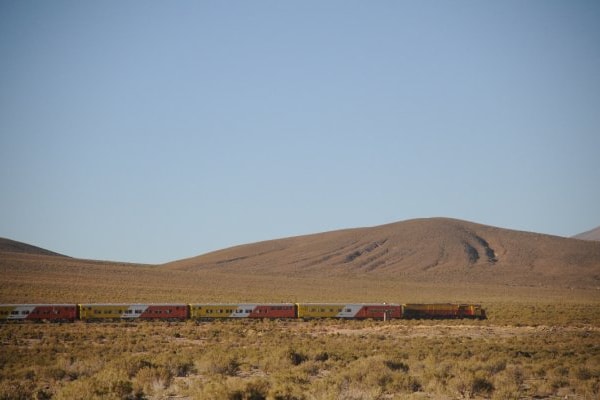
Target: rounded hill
[432, 249]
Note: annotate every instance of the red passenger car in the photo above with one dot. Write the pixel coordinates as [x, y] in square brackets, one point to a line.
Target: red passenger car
[38, 312]
[165, 311]
[274, 311]
[379, 311]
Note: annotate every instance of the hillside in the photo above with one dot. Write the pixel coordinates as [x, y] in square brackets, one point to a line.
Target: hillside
[593, 234]
[419, 260]
[426, 250]
[12, 246]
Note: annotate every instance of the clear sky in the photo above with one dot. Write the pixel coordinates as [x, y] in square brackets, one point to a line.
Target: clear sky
[149, 131]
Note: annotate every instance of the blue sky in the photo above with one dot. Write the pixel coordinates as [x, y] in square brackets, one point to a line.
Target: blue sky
[149, 131]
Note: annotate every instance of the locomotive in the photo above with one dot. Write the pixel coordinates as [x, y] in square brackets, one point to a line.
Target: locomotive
[213, 311]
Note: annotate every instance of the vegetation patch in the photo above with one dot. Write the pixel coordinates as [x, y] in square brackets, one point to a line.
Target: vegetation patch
[326, 359]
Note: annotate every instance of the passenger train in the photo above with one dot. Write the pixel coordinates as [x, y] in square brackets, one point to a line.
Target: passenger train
[213, 311]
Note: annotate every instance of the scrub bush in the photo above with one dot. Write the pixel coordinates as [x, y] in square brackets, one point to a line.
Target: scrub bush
[295, 360]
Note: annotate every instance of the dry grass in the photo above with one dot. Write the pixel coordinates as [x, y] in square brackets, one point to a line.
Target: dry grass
[298, 360]
[536, 343]
[541, 340]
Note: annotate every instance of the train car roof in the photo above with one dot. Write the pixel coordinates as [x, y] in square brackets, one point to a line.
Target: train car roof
[242, 304]
[38, 305]
[347, 304]
[132, 304]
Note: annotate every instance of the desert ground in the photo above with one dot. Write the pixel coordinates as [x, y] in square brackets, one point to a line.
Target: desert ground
[301, 360]
[537, 342]
[541, 338]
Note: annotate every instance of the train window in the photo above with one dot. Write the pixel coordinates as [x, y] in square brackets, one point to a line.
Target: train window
[138, 311]
[248, 311]
[169, 311]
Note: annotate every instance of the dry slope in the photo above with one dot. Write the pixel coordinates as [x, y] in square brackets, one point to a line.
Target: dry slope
[12, 246]
[593, 234]
[433, 250]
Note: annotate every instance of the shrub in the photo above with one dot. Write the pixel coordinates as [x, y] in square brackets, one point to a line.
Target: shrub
[296, 358]
[224, 364]
[150, 379]
[481, 386]
[396, 365]
[583, 373]
[256, 390]
[287, 392]
[14, 390]
[322, 356]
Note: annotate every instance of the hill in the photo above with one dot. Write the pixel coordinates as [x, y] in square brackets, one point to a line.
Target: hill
[421, 260]
[593, 234]
[421, 250]
[12, 246]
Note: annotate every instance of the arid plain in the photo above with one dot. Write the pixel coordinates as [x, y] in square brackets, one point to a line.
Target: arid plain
[542, 338]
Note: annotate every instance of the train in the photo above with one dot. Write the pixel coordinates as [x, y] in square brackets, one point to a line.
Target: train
[214, 311]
